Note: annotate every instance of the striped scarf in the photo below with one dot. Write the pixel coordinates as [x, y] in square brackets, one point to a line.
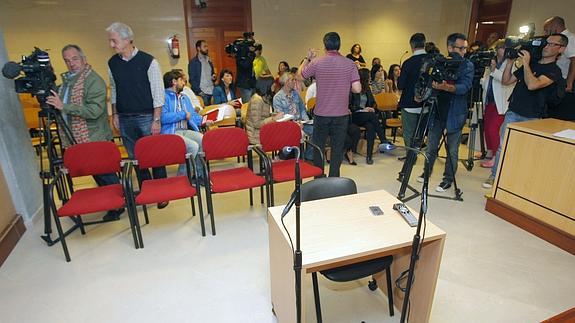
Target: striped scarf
[78, 125]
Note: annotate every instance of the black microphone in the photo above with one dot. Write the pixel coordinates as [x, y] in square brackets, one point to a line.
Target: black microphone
[11, 70]
[402, 56]
[289, 204]
[289, 152]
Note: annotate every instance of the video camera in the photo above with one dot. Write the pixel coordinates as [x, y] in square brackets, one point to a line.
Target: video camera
[481, 60]
[534, 45]
[38, 78]
[243, 48]
[438, 68]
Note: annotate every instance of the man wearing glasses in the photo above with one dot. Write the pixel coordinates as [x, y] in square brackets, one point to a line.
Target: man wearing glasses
[527, 101]
[451, 111]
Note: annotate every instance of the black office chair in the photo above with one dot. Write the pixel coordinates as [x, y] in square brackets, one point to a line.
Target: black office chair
[326, 187]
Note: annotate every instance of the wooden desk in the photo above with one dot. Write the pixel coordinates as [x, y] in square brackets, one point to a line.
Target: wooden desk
[342, 230]
[534, 187]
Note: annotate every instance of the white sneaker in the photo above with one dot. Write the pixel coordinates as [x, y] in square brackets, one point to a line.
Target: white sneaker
[488, 182]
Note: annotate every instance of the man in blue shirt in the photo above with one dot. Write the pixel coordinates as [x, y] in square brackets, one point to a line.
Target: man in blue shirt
[451, 112]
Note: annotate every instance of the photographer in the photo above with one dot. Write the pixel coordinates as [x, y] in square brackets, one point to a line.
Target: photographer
[246, 80]
[534, 81]
[82, 100]
[495, 99]
[451, 111]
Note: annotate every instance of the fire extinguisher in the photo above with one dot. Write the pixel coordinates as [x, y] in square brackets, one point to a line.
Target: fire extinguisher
[175, 47]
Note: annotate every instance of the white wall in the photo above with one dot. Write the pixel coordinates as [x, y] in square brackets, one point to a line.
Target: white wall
[537, 11]
[382, 27]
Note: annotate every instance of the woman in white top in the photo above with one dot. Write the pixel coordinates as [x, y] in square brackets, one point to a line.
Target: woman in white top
[495, 100]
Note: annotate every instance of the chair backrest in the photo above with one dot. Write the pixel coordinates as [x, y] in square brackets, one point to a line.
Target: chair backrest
[92, 158]
[276, 135]
[160, 150]
[225, 142]
[201, 99]
[244, 112]
[386, 101]
[326, 187]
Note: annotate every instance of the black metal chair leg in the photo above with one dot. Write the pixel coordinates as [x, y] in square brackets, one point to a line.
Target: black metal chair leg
[272, 197]
[389, 290]
[251, 197]
[202, 224]
[81, 225]
[211, 211]
[132, 224]
[62, 237]
[262, 194]
[193, 206]
[316, 297]
[146, 214]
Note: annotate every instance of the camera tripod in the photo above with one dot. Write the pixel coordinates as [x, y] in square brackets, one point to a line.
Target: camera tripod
[475, 123]
[421, 131]
[52, 128]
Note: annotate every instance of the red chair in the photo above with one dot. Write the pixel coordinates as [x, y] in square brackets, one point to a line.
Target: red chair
[277, 135]
[158, 151]
[225, 143]
[93, 158]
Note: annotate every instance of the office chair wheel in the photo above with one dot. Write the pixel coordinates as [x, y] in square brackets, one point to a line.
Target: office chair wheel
[372, 285]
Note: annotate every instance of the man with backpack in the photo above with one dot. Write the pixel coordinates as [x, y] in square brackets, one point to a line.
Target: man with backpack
[537, 84]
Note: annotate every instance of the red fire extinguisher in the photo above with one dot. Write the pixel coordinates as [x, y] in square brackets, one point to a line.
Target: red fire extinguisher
[175, 47]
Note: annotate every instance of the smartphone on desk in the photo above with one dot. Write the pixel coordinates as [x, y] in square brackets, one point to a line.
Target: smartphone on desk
[375, 210]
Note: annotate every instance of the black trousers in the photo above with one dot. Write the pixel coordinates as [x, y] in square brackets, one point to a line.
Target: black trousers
[372, 126]
[336, 129]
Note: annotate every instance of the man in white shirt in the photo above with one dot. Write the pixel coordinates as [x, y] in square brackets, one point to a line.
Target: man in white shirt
[566, 62]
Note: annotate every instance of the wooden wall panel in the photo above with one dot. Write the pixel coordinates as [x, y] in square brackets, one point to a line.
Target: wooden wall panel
[220, 23]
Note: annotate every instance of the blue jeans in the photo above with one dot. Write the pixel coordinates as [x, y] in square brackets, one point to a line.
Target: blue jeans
[510, 117]
[336, 129]
[452, 142]
[132, 128]
[193, 140]
[308, 130]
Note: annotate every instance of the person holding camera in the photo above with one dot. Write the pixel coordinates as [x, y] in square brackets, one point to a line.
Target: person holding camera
[535, 80]
[82, 100]
[201, 71]
[245, 55]
[495, 100]
[451, 112]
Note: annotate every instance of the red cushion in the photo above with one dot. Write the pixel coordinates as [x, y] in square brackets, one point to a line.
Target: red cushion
[234, 179]
[90, 200]
[165, 189]
[284, 170]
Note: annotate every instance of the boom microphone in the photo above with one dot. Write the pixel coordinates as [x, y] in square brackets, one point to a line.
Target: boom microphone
[11, 70]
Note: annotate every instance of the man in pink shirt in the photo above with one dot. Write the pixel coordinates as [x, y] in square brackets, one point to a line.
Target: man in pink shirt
[336, 76]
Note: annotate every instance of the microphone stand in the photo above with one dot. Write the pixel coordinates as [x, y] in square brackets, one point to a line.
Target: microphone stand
[415, 245]
[297, 260]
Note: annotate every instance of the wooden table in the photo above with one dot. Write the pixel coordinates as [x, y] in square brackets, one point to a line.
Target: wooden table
[535, 183]
[342, 230]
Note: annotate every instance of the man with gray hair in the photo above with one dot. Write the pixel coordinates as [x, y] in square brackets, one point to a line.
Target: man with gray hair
[137, 92]
[82, 100]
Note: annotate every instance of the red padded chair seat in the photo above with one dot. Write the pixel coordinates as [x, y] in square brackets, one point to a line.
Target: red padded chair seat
[284, 170]
[97, 199]
[165, 189]
[235, 179]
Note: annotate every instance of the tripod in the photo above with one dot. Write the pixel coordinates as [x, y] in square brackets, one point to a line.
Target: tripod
[50, 138]
[421, 130]
[475, 122]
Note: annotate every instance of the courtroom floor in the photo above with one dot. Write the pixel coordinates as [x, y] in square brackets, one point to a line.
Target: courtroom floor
[491, 271]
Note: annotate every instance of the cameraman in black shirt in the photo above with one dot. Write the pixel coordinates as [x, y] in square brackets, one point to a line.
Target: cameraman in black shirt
[535, 80]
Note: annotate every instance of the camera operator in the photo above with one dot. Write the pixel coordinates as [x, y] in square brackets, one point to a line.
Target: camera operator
[451, 111]
[495, 100]
[410, 70]
[201, 71]
[527, 101]
[82, 100]
[246, 80]
[566, 62]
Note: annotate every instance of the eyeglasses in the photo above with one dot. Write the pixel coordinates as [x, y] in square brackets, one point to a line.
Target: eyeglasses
[460, 47]
[554, 44]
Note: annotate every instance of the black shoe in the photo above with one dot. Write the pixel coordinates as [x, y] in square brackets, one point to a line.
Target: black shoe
[113, 215]
[349, 160]
[443, 186]
[162, 205]
[369, 160]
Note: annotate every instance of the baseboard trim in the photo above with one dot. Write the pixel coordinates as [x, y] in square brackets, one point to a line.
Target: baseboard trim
[10, 237]
[544, 231]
